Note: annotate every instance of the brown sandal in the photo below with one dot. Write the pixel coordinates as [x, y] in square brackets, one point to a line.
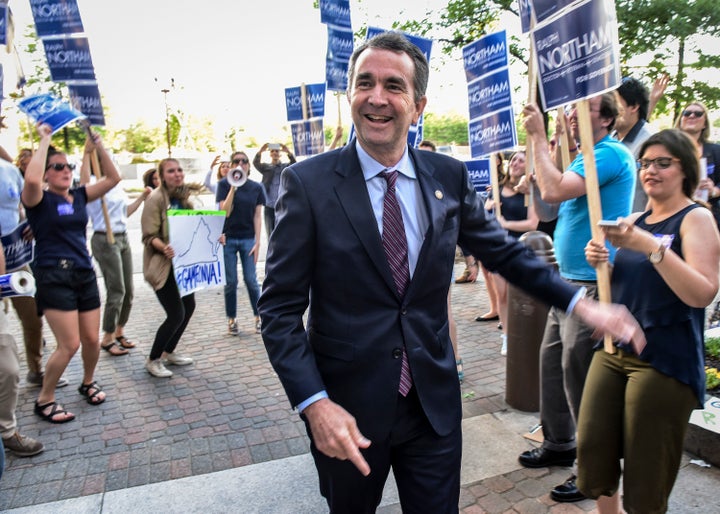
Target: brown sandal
[125, 342]
[114, 350]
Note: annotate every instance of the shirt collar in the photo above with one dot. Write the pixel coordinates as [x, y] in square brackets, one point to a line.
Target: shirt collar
[371, 168]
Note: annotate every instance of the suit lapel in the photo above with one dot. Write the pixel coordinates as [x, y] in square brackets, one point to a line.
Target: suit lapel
[354, 199]
[435, 207]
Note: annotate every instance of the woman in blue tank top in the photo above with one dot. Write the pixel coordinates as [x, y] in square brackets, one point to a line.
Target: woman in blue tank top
[67, 292]
[637, 401]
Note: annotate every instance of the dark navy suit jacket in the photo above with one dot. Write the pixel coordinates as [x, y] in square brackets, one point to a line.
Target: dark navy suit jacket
[326, 253]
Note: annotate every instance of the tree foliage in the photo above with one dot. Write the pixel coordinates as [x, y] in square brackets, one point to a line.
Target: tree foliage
[673, 33]
[445, 129]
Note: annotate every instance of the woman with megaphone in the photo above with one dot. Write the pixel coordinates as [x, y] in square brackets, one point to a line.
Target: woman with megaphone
[242, 200]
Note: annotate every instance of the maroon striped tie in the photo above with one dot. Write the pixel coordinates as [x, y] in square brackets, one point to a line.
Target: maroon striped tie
[396, 250]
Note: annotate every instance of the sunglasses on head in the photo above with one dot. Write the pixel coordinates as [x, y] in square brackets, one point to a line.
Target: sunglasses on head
[691, 113]
[239, 161]
[661, 163]
[58, 166]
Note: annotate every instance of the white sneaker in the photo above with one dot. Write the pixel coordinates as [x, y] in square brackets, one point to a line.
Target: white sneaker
[503, 348]
[177, 359]
[232, 327]
[157, 369]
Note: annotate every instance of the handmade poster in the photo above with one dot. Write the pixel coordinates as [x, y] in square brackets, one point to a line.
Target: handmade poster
[198, 261]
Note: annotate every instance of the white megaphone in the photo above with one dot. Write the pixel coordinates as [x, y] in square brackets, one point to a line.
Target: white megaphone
[236, 177]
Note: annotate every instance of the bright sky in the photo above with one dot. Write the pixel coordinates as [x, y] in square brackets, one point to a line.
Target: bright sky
[231, 60]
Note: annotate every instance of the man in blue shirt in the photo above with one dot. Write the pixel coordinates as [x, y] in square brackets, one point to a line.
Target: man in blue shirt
[567, 345]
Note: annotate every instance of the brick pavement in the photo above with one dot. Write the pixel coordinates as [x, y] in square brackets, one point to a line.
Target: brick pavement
[226, 411]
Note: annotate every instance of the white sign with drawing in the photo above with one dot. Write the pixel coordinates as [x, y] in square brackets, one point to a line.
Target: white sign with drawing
[198, 261]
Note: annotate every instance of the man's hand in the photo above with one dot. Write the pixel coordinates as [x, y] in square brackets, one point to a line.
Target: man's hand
[612, 319]
[533, 121]
[336, 434]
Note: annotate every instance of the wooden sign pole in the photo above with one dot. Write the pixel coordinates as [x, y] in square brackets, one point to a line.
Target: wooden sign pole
[592, 190]
[95, 164]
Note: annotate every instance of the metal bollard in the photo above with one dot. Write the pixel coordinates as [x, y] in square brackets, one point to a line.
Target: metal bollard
[525, 327]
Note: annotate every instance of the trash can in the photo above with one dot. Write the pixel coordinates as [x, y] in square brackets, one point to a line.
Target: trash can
[524, 328]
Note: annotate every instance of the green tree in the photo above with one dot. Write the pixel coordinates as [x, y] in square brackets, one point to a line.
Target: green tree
[674, 33]
[139, 138]
[446, 129]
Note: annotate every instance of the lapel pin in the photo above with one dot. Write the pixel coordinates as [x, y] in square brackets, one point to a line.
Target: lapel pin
[438, 194]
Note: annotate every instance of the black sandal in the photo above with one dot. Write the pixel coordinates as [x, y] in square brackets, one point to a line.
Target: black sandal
[84, 390]
[114, 350]
[125, 342]
[54, 411]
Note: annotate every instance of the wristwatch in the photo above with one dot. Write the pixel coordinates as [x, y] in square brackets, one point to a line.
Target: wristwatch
[656, 256]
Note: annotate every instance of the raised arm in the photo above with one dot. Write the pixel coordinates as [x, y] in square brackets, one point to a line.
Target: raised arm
[111, 176]
[33, 189]
[555, 186]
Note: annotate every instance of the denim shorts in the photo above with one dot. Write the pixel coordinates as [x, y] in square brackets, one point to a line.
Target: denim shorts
[66, 289]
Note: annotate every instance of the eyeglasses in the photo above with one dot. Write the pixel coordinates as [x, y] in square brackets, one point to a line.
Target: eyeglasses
[688, 113]
[660, 163]
[240, 161]
[58, 166]
[173, 170]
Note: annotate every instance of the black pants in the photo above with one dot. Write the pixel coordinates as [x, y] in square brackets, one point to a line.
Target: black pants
[269, 214]
[426, 468]
[179, 310]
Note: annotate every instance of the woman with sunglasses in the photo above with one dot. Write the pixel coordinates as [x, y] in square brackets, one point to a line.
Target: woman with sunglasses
[67, 292]
[637, 401]
[172, 193]
[694, 121]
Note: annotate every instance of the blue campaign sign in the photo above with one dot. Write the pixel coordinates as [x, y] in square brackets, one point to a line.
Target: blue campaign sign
[336, 75]
[577, 54]
[340, 43]
[18, 251]
[335, 12]
[544, 9]
[56, 17]
[487, 54]
[315, 97]
[493, 133]
[4, 14]
[525, 11]
[86, 99]
[308, 137]
[45, 108]
[489, 93]
[69, 59]
[479, 172]
[424, 44]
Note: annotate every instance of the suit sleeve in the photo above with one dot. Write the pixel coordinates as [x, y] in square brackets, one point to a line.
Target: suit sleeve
[489, 242]
[285, 294]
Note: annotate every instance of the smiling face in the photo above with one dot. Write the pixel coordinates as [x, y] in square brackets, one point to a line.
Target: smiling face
[664, 177]
[381, 97]
[171, 174]
[693, 120]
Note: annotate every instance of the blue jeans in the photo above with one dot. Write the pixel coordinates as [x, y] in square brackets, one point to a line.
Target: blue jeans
[232, 248]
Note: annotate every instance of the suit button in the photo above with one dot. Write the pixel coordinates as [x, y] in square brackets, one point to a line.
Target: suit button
[397, 353]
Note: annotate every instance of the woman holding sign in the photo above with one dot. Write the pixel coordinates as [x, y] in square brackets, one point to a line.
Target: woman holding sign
[637, 401]
[173, 193]
[67, 292]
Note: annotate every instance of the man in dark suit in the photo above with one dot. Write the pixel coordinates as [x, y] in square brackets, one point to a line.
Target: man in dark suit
[347, 371]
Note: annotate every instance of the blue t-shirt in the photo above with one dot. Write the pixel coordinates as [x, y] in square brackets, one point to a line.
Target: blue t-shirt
[616, 177]
[59, 229]
[240, 223]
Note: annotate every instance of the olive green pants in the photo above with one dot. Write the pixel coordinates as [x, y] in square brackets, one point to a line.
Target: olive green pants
[631, 411]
